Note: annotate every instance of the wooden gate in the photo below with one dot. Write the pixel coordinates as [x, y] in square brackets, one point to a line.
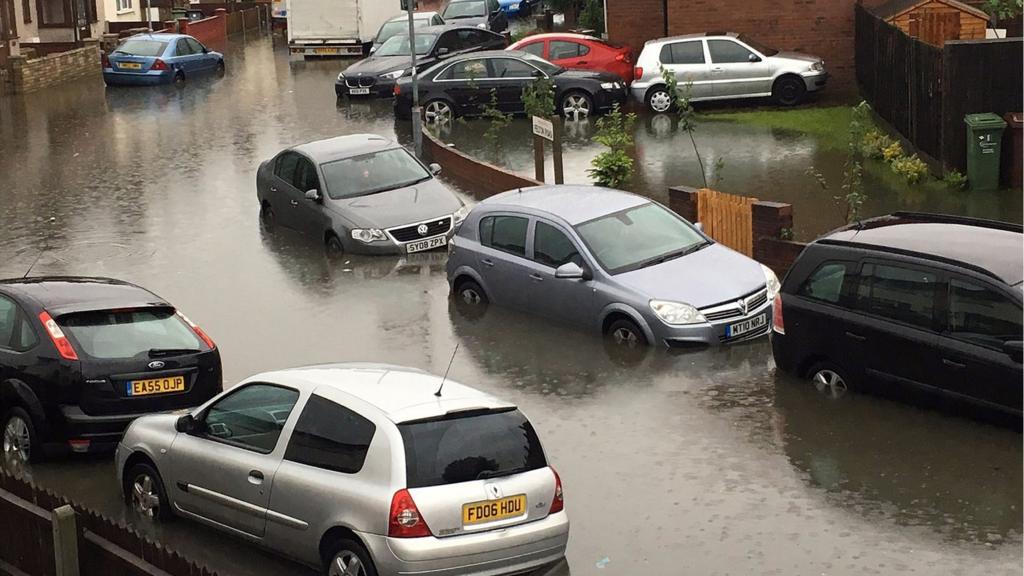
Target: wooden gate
[727, 218]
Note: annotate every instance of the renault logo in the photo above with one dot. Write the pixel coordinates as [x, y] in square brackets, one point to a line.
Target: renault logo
[422, 229]
[494, 491]
[156, 364]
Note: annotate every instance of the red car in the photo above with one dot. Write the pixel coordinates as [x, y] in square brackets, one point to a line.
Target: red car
[580, 52]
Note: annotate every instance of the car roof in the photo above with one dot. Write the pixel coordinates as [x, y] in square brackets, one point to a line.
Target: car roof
[573, 203]
[66, 294]
[493, 54]
[161, 36]
[560, 35]
[399, 393]
[340, 147]
[692, 36]
[415, 16]
[995, 250]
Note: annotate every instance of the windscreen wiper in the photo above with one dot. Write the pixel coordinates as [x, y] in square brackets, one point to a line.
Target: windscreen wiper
[485, 474]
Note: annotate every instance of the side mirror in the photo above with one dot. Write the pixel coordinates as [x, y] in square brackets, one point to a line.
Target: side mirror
[373, 49]
[186, 424]
[569, 271]
[754, 58]
[698, 226]
[206, 50]
[442, 52]
[1015, 350]
[313, 195]
[435, 168]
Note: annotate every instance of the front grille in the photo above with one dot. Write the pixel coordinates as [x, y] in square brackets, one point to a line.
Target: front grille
[732, 310]
[412, 232]
[360, 82]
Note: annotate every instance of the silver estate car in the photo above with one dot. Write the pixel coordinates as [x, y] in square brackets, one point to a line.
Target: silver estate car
[360, 193]
[610, 261]
[724, 66]
[358, 469]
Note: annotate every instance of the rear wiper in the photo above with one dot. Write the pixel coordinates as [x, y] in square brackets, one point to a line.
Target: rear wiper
[485, 474]
[158, 352]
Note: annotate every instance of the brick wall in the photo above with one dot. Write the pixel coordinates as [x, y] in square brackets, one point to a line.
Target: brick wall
[821, 27]
[31, 75]
[210, 30]
[479, 178]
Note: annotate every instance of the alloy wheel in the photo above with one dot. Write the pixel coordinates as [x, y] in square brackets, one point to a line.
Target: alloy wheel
[17, 440]
[661, 101]
[470, 296]
[438, 112]
[576, 106]
[346, 563]
[145, 498]
[625, 337]
[829, 383]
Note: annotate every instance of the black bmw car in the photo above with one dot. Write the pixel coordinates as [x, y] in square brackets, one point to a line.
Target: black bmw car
[80, 358]
[376, 75]
[463, 85]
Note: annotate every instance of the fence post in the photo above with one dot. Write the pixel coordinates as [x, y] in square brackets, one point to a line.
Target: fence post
[65, 541]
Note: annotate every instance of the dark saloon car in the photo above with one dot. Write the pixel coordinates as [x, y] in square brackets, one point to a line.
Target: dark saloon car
[376, 75]
[463, 85]
[485, 14]
[919, 306]
[80, 358]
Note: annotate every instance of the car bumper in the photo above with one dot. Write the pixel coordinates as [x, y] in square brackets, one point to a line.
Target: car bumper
[711, 334]
[815, 81]
[390, 247]
[381, 89]
[102, 432]
[514, 550]
[151, 78]
[606, 99]
[785, 356]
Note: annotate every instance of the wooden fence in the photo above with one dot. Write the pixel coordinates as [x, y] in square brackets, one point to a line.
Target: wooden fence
[727, 218]
[924, 91]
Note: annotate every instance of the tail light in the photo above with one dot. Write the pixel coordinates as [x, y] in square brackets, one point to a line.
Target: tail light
[777, 324]
[638, 72]
[396, 90]
[67, 351]
[104, 60]
[78, 445]
[198, 331]
[558, 502]
[159, 64]
[405, 520]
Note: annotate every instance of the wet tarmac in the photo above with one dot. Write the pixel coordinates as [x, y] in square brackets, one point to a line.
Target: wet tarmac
[705, 462]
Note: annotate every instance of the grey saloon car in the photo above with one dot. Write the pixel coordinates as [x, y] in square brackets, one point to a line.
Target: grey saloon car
[610, 261]
[357, 469]
[361, 193]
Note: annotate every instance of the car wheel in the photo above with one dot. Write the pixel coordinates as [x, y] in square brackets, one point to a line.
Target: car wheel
[220, 68]
[830, 380]
[349, 558]
[144, 492]
[438, 112]
[577, 105]
[20, 444]
[626, 333]
[335, 249]
[179, 78]
[789, 90]
[659, 100]
[268, 218]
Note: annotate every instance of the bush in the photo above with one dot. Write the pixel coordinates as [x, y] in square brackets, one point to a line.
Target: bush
[874, 144]
[911, 168]
[614, 166]
[892, 152]
[592, 16]
[955, 180]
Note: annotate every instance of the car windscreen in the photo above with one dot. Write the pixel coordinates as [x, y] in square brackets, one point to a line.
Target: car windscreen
[471, 9]
[636, 237]
[140, 332]
[370, 173]
[766, 50]
[141, 48]
[395, 27]
[545, 66]
[399, 45]
[470, 446]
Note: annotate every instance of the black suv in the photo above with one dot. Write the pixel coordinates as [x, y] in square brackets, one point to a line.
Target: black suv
[80, 358]
[908, 304]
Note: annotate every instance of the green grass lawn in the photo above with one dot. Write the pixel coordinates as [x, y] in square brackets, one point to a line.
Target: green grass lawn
[831, 124]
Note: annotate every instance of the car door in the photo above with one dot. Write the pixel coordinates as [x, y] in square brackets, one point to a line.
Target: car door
[204, 61]
[184, 57]
[224, 470]
[537, 48]
[510, 77]
[447, 45]
[737, 70]
[466, 84]
[309, 215]
[972, 362]
[497, 21]
[502, 261]
[688, 61]
[18, 340]
[568, 54]
[283, 195]
[568, 299]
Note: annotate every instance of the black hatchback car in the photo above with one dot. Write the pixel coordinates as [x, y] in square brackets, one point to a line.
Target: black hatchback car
[80, 358]
[918, 306]
[463, 86]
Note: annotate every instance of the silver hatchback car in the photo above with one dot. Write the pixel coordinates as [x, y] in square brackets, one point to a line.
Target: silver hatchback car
[724, 66]
[358, 469]
[611, 261]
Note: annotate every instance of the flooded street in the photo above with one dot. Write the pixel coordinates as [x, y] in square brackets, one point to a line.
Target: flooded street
[704, 462]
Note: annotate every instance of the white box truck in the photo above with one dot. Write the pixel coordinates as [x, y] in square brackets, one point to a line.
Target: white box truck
[336, 27]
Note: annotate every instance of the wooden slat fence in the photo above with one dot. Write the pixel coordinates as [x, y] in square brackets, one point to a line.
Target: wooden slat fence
[727, 218]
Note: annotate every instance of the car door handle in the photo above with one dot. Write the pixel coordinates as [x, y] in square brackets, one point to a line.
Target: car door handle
[581, 63]
[953, 364]
[855, 337]
[536, 277]
[272, 189]
[295, 202]
[255, 477]
[487, 262]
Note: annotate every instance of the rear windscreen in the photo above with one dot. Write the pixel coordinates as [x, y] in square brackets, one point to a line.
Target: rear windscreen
[141, 48]
[470, 447]
[129, 333]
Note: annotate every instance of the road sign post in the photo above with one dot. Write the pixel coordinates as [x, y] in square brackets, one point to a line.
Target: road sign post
[550, 130]
[417, 130]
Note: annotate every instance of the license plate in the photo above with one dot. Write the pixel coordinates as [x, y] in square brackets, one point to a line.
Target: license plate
[746, 326]
[358, 90]
[325, 51]
[421, 245]
[156, 386]
[130, 65]
[493, 510]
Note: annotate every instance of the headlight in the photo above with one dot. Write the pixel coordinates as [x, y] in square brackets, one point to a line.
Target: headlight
[367, 235]
[461, 214]
[818, 67]
[482, 26]
[609, 85]
[772, 281]
[676, 313]
[394, 75]
[341, 76]
[514, 7]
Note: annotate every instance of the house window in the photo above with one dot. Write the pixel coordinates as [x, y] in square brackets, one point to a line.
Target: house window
[53, 12]
[26, 10]
[123, 5]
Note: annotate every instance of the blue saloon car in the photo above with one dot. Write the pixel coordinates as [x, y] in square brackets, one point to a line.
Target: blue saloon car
[515, 7]
[149, 59]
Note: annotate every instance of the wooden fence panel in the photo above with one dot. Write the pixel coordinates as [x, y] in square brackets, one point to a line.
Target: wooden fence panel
[727, 218]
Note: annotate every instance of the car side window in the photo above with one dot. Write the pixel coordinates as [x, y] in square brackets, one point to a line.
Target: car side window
[505, 233]
[535, 48]
[553, 248]
[194, 44]
[981, 315]
[691, 52]
[511, 68]
[493, 6]
[305, 178]
[468, 70]
[898, 293]
[436, 20]
[330, 436]
[285, 166]
[827, 282]
[561, 49]
[252, 417]
[8, 321]
[182, 48]
[728, 52]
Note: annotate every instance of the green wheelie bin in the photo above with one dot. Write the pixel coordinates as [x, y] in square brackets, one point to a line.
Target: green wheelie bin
[984, 142]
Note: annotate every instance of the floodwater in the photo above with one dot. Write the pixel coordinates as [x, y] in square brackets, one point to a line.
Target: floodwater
[705, 462]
